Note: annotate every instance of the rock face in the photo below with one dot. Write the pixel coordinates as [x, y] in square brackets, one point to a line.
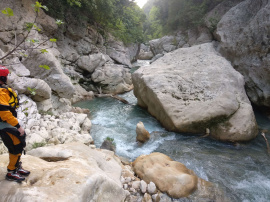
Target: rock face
[41, 89]
[55, 77]
[244, 35]
[192, 89]
[79, 174]
[118, 52]
[113, 78]
[169, 176]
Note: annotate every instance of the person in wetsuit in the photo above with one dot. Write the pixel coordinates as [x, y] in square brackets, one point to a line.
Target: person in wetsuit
[12, 134]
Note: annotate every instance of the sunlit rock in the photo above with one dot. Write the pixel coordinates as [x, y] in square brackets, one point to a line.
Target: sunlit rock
[74, 173]
[191, 89]
[169, 176]
[142, 134]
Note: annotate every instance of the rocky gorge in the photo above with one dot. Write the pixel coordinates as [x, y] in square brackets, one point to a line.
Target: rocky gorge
[192, 85]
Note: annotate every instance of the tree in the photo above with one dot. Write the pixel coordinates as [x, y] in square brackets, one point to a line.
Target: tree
[123, 18]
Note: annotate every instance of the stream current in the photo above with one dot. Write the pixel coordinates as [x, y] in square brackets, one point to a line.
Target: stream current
[241, 171]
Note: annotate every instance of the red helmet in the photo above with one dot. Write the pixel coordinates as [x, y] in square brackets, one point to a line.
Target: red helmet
[3, 71]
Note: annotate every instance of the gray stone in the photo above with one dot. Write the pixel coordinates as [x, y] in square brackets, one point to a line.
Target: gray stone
[243, 33]
[112, 79]
[91, 62]
[192, 89]
[54, 77]
[143, 186]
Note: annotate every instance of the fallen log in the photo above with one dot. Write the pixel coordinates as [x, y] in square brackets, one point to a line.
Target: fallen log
[113, 96]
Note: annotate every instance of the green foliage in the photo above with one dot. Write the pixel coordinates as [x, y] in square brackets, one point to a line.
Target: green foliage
[38, 144]
[111, 140]
[29, 26]
[8, 12]
[164, 17]
[123, 18]
[74, 2]
[45, 113]
[38, 5]
[45, 67]
[53, 40]
[32, 90]
[154, 29]
[59, 22]
[43, 51]
[213, 23]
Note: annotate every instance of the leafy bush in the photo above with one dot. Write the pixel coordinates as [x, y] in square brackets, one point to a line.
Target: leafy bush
[38, 144]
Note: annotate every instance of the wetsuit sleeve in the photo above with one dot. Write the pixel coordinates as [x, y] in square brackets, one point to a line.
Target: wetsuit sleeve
[7, 116]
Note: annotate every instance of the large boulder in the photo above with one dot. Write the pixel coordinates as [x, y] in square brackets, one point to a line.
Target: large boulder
[37, 89]
[170, 176]
[134, 50]
[243, 33]
[194, 88]
[164, 45]
[118, 51]
[91, 62]
[112, 78]
[55, 77]
[75, 172]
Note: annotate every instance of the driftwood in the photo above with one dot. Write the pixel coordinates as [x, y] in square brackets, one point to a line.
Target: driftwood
[267, 144]
[207, 133]
[113, 96]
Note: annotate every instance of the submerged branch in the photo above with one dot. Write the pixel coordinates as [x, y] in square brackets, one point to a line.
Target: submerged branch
[113, 96]
[267, 144]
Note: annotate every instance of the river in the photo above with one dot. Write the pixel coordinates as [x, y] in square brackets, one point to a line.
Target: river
[241, 171]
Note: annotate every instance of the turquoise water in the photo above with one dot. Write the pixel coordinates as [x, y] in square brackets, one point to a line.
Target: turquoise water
[242, 171]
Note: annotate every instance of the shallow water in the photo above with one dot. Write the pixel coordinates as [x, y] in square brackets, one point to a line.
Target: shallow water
[241, 171]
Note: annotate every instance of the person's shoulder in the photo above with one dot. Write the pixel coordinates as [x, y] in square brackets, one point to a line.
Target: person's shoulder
[4, 96]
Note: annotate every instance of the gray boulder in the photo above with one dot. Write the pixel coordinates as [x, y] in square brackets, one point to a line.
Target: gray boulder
[243, 33]
[112, 78]
[118, 52]
[41, 90]
[55, 77]
[165, 44]
[191, 89]
[91, 62]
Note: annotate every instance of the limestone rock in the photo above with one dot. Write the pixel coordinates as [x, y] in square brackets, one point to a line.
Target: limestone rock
[151, 188]
[147, 198]
[41, 89]
[142, 134]
[17, 67]
[133, 52]
[194, 88]
[81, 94]
[117, 51]
[107, 144]
[91, 62]
[145, 55]
[113, 79]
[143, 185]
[85, 174]
[54, 77]
[27, 112]
[163, 45]
[243, 33]
[169, 176]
